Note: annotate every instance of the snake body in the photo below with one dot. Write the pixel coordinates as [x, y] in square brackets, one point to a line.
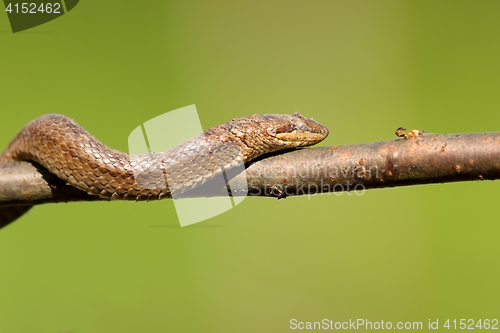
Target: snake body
[68, 151]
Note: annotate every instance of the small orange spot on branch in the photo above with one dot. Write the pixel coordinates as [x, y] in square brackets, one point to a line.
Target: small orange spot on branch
[411, 134]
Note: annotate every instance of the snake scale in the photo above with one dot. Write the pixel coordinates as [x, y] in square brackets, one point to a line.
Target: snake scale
[68, 151]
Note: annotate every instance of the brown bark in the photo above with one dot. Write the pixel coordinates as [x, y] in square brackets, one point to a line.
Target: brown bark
[416, 158]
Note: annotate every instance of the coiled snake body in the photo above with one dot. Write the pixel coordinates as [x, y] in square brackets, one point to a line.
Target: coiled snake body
[68, 151]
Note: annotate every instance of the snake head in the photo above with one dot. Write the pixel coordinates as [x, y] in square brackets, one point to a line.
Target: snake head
[298, 130]
[266, 133]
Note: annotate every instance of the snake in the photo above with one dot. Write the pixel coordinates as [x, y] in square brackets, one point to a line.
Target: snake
[67, 150]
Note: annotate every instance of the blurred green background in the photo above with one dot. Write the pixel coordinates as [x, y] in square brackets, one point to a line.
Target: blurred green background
[363, 68]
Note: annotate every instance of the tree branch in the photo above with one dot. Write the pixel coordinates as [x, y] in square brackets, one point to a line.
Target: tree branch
[417, 158]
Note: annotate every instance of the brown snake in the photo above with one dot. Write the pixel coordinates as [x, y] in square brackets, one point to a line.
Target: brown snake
[68, 151]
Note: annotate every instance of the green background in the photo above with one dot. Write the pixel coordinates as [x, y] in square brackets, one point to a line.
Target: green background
[363, 68]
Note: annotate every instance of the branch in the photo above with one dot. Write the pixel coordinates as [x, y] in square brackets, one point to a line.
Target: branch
[417, 158]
